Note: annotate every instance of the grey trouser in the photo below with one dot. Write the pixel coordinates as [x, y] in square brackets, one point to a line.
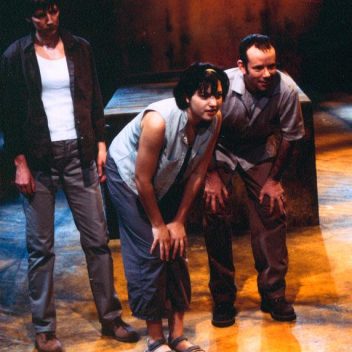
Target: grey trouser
[85, 201]
[268, 240]
[156, 288]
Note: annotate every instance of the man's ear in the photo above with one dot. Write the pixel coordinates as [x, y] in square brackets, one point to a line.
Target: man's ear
[242, 66]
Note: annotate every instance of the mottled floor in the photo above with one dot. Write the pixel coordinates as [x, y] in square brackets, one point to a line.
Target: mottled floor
[319, 279]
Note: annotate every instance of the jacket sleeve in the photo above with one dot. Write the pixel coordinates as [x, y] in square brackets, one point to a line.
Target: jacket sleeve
[98, 119]
[12, 110]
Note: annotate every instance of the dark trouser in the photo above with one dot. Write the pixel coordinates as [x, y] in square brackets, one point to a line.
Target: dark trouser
[85, 202]
[268, 240]
[155, 287]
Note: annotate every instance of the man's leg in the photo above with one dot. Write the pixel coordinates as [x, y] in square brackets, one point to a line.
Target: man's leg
[85, 200]
[218, 240]
[268, 239]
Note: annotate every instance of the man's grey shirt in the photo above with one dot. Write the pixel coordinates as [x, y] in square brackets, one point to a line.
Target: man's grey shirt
[253, 126]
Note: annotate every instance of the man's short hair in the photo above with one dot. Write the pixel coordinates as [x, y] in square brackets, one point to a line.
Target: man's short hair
[260, 41]
[32, 5]
[199, 76]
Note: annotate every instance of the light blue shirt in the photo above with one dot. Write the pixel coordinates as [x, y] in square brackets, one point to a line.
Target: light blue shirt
[124, 147]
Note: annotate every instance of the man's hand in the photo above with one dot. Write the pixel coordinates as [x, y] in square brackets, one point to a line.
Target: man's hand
[101, 161]
[24, 180]
[178, 238]
[273, 189]
[162, 237]
[215, 192]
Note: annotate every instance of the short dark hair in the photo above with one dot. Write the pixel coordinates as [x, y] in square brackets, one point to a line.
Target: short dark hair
[260, 41]
[32, 5]
[199, 76]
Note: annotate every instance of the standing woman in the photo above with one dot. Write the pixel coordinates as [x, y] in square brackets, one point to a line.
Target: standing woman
[155, 167]
[54, 131]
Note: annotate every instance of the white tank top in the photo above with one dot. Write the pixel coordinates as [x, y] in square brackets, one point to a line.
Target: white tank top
[57, 99]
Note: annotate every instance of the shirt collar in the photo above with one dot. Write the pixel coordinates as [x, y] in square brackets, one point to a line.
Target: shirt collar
[238, 85]
[68, 39]
[28, 41]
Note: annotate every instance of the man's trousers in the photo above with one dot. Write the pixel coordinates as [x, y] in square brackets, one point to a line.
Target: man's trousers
[268, 240]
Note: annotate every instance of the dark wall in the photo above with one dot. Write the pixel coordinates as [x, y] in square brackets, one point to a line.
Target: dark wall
[168, 35]
[314, 36]
[97, 22]
[91, 19]
[326, 49]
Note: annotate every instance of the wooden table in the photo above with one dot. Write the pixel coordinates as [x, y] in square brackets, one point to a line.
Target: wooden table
[300, 180]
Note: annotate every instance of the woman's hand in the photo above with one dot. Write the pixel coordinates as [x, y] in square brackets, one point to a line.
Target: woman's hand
[101, 161]
[178, 238]
[24, 180]
[162, 237]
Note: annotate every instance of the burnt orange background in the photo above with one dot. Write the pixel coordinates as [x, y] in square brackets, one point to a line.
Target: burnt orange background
[158, 35]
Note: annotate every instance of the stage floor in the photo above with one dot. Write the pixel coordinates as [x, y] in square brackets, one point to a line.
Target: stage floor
[319, 279]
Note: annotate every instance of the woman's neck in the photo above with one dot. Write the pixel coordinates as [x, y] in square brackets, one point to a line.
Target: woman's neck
[196, 123]
[47, 41]
[49, 48]
[191, 127]
[192, 119]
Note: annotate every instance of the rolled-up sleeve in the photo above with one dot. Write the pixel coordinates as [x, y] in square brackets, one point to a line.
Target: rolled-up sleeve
[291, 118]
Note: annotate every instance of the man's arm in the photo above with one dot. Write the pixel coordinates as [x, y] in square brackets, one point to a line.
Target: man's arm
[215, 192]
[282, 160]
[272, 187]
[292, 129]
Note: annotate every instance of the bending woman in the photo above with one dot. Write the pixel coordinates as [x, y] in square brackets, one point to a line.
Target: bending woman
[155, 167]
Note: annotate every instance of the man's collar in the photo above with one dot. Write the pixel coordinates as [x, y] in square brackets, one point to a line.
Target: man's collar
[238, 85]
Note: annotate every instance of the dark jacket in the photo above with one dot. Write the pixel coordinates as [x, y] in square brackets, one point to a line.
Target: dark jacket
[22, 112]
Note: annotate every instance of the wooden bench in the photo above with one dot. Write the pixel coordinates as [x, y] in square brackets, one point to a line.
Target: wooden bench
[299, 180]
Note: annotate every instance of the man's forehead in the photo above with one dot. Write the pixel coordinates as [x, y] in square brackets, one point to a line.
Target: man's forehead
[254, 53]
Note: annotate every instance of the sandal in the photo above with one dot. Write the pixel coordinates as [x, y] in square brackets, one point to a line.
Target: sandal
[155, 345]
[173, 343]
